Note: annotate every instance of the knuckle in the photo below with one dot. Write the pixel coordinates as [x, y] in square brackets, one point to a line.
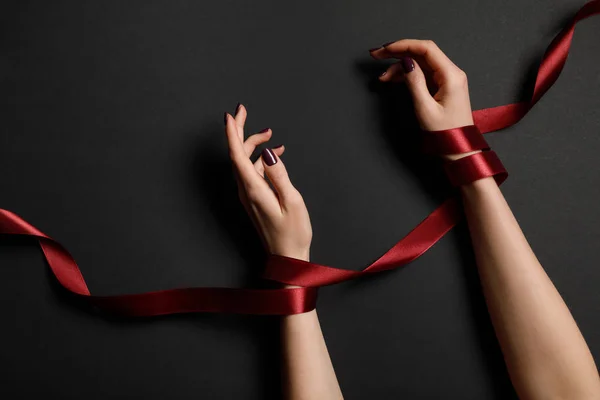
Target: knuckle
[430, 43]
[294, 198]
[462, 76]
[458, 79]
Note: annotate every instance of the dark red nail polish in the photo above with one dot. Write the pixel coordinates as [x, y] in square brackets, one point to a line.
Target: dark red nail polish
[374, 48]
[225, 118]
[269, 157]
[278, 146]
[383, 74]
[237, 108]
[386, 44]
[264, 130]
[407, 64]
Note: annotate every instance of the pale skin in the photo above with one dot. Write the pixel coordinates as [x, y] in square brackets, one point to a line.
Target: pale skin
[282, 221]
[545, 353]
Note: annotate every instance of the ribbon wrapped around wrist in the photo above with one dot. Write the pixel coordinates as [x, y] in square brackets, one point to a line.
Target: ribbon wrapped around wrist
[310, 275]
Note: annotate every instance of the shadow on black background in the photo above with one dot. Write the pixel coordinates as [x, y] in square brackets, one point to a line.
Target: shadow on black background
[401, 130]
[214, 181]
[212, 177]
[263, 329]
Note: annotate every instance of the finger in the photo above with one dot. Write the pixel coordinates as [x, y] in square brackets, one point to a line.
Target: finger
[240, 119]
[410, 72]
[417, 84]
[395, 73]
[256, 140]
[258, 164]
[278, 176]
[241, 162]
[431, 54]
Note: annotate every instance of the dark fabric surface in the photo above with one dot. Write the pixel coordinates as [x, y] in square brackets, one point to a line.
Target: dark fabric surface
[111, 142]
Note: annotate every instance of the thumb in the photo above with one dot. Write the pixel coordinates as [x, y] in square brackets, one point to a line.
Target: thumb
[416, 83]
[278, 176]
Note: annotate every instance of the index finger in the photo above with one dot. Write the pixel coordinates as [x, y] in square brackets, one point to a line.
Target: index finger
[238, 155]
[426, 50]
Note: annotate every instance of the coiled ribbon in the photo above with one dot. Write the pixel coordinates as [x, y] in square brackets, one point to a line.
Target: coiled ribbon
[309, 275]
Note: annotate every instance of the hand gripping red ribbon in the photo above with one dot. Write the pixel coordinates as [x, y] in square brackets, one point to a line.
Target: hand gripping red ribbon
[310, 275]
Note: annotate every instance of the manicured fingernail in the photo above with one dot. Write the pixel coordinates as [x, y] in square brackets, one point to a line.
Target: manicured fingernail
[237, 108]
[278, 146]
[269, 157]
[407, 64]
[374, 49]
[264, 130]
[386, 44]
[383, 74]
[225, 118]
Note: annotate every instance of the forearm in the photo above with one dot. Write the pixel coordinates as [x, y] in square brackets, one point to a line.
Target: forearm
[308, 372]
[307, 369]
[545, 353]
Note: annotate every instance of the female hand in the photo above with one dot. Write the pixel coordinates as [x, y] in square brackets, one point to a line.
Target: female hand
[438, 87]
[280, 215]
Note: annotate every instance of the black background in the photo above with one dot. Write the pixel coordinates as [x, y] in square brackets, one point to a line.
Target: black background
[112, 143]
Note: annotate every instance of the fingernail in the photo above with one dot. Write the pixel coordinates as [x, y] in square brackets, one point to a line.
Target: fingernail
[386, 44]
[374, 48]
[407, 64]
[278, 146]
[269, 157]
[264, 130]
[383, 74]
[225, 118]
[237, 108]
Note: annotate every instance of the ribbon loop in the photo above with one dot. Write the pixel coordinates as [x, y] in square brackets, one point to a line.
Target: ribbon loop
[474, 167]
[453, 141]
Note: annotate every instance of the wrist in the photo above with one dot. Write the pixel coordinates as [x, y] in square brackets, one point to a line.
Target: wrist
[298, 254]
[479, 186]
[454, 157]
[303, 255]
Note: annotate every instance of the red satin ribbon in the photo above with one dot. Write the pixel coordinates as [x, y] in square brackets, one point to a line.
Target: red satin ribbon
[427, 233]
[311, 275]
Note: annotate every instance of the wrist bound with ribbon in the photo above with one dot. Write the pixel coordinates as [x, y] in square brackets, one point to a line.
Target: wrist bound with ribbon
[310, 275]
[482, 164]
[473, 167]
